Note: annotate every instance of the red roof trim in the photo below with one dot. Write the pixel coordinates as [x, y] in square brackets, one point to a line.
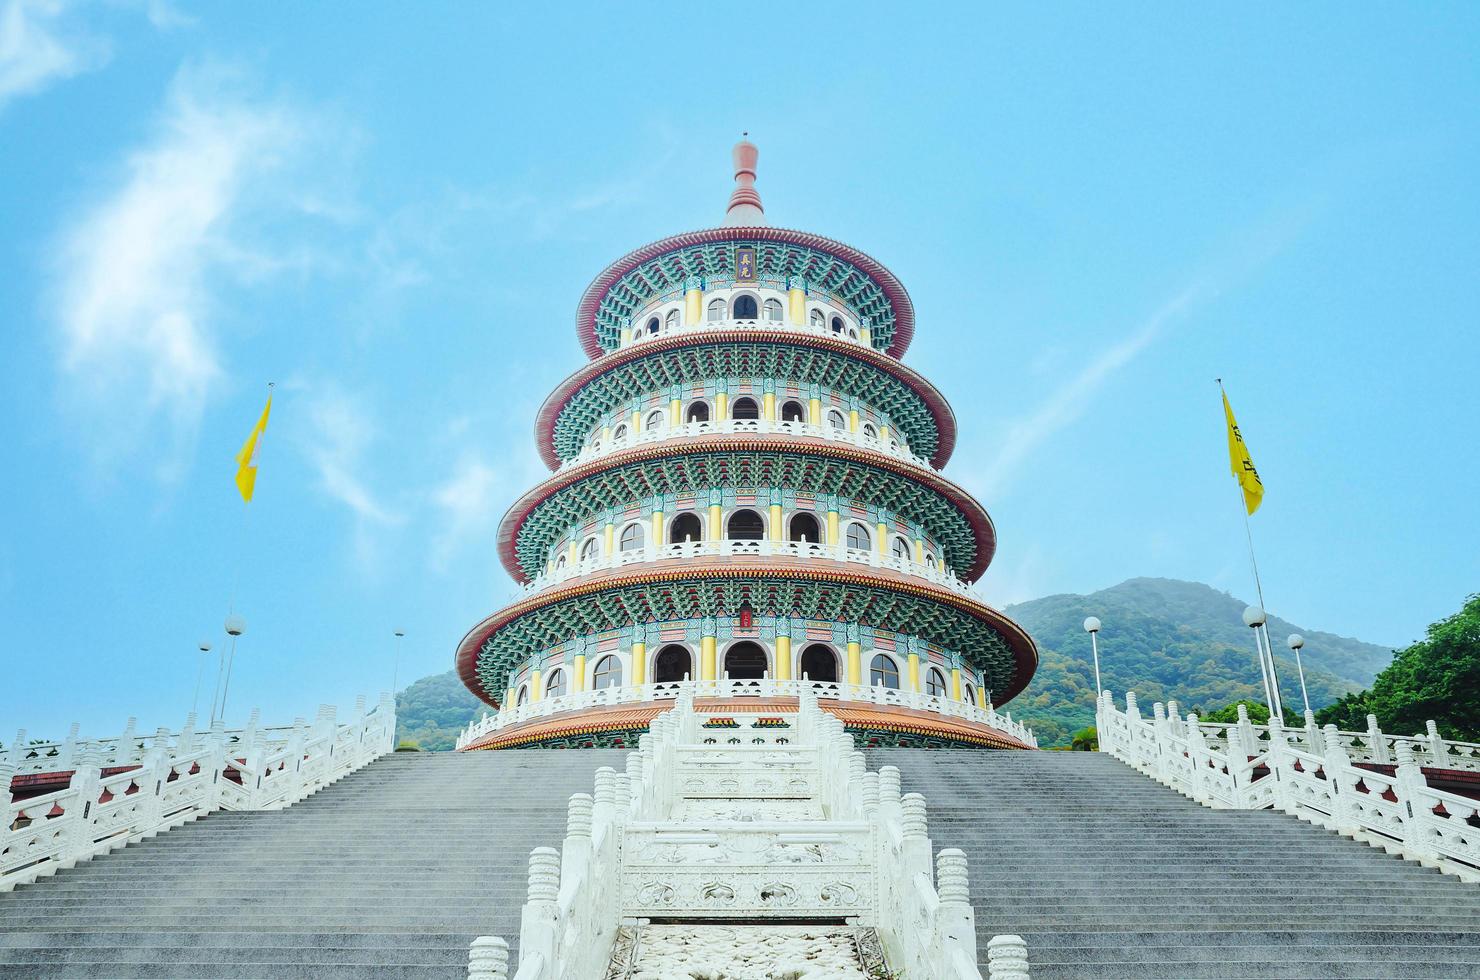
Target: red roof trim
[976, 514]
[544, 427]
[899, 298]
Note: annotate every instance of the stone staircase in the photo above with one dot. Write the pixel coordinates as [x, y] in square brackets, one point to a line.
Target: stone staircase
[389, 873]
[1108, 874]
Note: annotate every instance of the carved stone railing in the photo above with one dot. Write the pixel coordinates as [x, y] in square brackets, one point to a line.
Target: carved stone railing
[746, 427]
[726, 688]
[695, 832]
[796, 550]
[169, 779]
[713, 326]
[1312, 775]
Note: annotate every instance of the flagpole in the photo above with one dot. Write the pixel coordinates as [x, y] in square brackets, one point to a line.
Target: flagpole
[1266, 667]
[235, 625]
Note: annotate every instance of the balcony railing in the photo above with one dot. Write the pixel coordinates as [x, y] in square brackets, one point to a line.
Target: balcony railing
[730, 688]
[937, 574]
[715, 326]
[747, 427]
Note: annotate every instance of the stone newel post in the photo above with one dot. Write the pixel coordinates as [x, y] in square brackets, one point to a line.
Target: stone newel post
[488, 959]
[537, 926]
[1007, 958]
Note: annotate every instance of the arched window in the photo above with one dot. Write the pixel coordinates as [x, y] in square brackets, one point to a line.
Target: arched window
[773, 309]
[901, 549]
[870, 431]
[523, 697]
[858, 537]
[716, 310]
[685, 527]
[745, 525]
[746, 661]
[698, 412]
[632, 537]
[745, 308]
[671, 320]
[619, 433]
[555, 684]
[608, 673]
[935, 683]
[817, 319]
[819, 663]
[652, 326]
[656, 419]
[560, 560]
[929, 560]
[968, 693]
[793, 412]
[804, 528]
[837, 324]
[588, 550]
[882, 672]
[744, 408]
[672, 664]
[837, 419]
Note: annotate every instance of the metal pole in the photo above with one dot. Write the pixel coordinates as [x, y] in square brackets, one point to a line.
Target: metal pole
[200, 673]
[231, 657]
[216, 688]
[396, 671]
[1094, 643]
[1277, 708]
[1296, 641]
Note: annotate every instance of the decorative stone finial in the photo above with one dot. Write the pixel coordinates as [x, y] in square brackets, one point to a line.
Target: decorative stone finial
[951, 877]
[745, 204]
[544, 874]
[1007, 958]
[578, 816]
[488, 959]
[913, 805]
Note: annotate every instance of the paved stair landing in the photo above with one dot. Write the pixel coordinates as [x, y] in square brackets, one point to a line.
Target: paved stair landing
[1108, 874]
[389, 873]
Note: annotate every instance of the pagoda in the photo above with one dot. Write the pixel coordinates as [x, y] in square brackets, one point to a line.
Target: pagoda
[745, 500]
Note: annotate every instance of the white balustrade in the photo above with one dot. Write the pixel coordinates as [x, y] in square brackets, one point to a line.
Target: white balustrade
[801, 550]
[690, 430]
[715, 326]
[511, 715]
[1318, 775]
[169, 779]
[635, 852]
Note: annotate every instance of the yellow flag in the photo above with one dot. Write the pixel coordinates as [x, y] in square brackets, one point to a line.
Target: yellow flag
[1239, 461]
[246, 460]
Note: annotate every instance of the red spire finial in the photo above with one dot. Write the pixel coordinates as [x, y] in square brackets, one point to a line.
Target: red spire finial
[745, 204]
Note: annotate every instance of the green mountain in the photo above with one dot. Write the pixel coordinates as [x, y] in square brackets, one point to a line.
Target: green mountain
[1167, 639]
[1162, 638]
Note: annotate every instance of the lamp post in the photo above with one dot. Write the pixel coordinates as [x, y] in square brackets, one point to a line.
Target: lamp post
[1254, 618]
[235, 626]
[396, 670]
[1296, 641]
[1092, 627]
[205, 649]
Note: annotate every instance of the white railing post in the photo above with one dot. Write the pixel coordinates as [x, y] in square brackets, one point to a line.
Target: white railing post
[1337, 765]
[88, 760]
[537, 922]
[955, 923]
[1007, 958]
[1377, 747]
[488, 959]
[1438, 749]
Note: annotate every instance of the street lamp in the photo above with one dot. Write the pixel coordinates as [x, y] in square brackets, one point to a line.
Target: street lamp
[1092, 627]
[1255, 619]
[396, 670]
[235, 626]
[1296, 641]
[204, 648]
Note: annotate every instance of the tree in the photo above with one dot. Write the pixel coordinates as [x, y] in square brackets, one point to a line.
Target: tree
[1085, 740]
[1258, 715]
[1436, 678]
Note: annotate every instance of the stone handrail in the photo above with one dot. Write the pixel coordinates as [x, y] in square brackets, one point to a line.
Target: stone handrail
[937, 574]
[712, 326]
[1373, 746]
[169, 779]
[1312, 775]
[689, 430]
[729, 688]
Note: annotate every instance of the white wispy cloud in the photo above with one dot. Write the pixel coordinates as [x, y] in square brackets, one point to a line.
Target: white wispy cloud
[39, 46]
[339, 433]
[466, 506]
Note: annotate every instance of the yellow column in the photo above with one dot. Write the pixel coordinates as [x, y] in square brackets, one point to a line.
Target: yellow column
[776, 522]
[675, 412]
[573, 552]
[706, 658]
[636, 421]
[865, 337]
[913, 672]
[832, 528]
[814, 411]
[981, 696]
[855, 664]
[639, 663]
[578, 674]
[783, 658]
[919, 551]
[716, 523]
[852, 420]
[606, 434]
[883, 535]
[768, 406]
[693, 305]
[884, 433]
[721, 406]
[611, 540]
[657, 529]
[956, 683]
[796, 305]
[534, 686]
[509, 701]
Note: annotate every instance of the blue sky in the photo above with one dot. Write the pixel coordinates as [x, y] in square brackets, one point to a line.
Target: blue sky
[1097, 210]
